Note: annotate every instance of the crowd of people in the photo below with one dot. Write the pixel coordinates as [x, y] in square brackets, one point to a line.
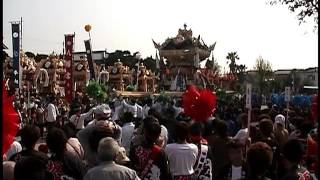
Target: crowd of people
[150, 139]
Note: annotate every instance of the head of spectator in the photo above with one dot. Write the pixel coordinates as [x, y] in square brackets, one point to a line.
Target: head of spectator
[56, 141]
[29, 136]
[69, 130]
[221, 129]
[182, 131]
[102, 112]
[266, 127]
[305, 128]
[108, 149]
[31, 168]
[293, 151]
[196, 130]
[259, 158]
[151, 129]
[235, 153]
[127, 117]
[243, 120]
[8, 170]
[99, 132]
[279, 122]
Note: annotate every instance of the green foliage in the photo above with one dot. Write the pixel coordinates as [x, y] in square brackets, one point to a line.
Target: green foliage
[97, 91]
[264, 74]
[130, 88]
[163, 97]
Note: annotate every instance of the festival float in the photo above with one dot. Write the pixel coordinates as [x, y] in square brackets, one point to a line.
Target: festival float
[180, 59]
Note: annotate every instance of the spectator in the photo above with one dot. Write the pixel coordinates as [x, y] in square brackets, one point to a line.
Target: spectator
[236, 168]
[242, 134]
[62, 164]
[293, 152]
[29, 137]
[107, 168]
[51, 113]
[280, 132]
[182, 155]
[78, 118]
[259, 159]
[147, 158]
[31, 168]
[73, 145]
[127, 131]
[218, 144]
[203, 165]
[14, 148]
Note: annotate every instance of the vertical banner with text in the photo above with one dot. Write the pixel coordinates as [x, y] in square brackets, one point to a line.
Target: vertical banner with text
[69, 67]
[89, 58]
[16, 54]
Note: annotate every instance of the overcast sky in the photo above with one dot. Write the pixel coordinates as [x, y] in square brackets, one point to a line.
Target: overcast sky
[250, 27]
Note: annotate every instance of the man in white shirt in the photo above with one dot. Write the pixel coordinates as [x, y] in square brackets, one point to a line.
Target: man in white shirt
[78, 119]
[52, 112]
[127, 131]
[242, 134]
[133, 107]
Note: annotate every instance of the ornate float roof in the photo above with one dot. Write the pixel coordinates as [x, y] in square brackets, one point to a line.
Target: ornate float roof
[184, 40]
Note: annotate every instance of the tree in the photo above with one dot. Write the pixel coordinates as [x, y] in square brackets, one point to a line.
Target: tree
[264, 75]
[232, 57]
[304, 8]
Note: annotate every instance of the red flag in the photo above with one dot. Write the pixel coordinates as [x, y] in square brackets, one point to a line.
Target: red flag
[10, 120]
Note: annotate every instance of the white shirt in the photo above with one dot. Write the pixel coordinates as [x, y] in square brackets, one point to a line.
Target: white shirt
[140, 113]
[116, 114]
[182, 158]
[127, 134]
[51, 113]
[236, 172]
[130, 108]
[242, 135]
[146, 109]
[164, 135]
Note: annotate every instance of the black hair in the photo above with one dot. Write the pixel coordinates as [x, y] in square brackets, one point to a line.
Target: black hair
[97, 134]
[196, 129]
[221, 128]
[293, 150]
[31, 168]
[69, 129]
[153, 129]
[234, 144]
[182, 130]
[243, 119]
[127, 117]
[29, 136]
[56, 141]
[305, 127]
[266, 127]
[262, 153]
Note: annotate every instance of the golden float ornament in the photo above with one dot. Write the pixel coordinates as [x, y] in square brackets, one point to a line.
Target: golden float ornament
[87, 27]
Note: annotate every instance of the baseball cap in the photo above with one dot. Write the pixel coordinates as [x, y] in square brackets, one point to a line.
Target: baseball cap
[102, 110]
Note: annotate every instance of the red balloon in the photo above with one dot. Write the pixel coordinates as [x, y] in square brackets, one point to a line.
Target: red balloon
[10, 120]
[199, 104]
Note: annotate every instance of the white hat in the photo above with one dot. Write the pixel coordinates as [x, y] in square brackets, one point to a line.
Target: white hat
[103, 110]
[280, 119]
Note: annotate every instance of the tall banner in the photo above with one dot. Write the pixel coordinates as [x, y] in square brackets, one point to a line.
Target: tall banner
[68, 64]
[89, 58]
[16, 54]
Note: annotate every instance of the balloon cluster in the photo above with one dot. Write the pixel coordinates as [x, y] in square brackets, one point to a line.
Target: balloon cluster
[299, 100]
[199, 104]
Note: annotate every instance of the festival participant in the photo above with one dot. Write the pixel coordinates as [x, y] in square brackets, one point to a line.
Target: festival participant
[147, 158]
[101, 113]
[51, 113]
[78, 118]
[132, 107]
[127, 131]
[182, 155]
[293, 152]
[218, 144]
[29, 137]
[40, 121]
[62, 164]
[242, 134]
[259, 159]
[203, 166]
[236, 169]
[107, 168]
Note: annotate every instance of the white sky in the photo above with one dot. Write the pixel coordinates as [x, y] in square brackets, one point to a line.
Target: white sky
[250, 27]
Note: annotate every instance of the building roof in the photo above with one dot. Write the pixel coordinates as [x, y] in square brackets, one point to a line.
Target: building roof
[84, 52]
